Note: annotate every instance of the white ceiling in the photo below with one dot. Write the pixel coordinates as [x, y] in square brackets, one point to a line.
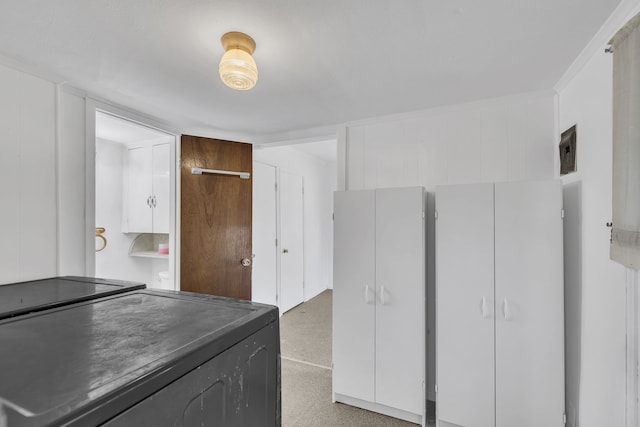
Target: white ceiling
[320, 62]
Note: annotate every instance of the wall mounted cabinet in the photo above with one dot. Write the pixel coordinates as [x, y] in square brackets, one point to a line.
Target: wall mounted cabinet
[499, 305]
[379, 301]
[146, 190]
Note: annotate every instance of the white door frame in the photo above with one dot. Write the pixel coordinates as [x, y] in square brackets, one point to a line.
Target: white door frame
[631, 404]
[91, 107]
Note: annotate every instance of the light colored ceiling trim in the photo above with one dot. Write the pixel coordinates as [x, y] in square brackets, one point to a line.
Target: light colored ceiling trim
[29, 69]
[625, 11]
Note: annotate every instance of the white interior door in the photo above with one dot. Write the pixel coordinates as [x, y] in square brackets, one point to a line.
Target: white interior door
[529, 304]
[400, 289]
[354, 295]
[465, 305]
[291, 236]
[264, 234]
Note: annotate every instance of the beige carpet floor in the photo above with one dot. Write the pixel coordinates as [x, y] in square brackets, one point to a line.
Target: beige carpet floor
[305, 334]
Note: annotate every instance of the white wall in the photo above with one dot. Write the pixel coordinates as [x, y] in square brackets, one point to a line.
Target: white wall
[72, 182]
[595, 285]
[319, 184]
[28, 211]
[504, 139]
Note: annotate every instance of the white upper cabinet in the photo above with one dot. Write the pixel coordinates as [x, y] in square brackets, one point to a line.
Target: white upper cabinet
[146, 190]
[160, 190]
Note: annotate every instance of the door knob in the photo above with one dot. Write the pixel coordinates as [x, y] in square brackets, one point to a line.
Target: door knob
[246, 262]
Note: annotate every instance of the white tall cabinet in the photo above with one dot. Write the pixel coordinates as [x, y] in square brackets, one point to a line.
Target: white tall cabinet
[146, 192]
[379, 301]
[499, 305]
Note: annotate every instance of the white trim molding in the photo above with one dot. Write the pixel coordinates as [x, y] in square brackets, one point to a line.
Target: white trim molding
[631, 402]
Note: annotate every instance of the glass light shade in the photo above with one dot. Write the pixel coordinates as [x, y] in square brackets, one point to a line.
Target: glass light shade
[238, 70]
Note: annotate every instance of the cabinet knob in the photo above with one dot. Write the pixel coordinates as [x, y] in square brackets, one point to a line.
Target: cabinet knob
[246, 262]
[383, 300]
[285, 251]
[483, 308]
[505, 310]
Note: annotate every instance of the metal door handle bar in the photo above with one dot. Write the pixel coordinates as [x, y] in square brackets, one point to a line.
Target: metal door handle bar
[200, 171]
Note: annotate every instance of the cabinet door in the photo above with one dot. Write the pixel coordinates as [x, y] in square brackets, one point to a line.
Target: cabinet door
[400, 289]
[529, 304]
[161, 155]
[464, 305]
[354, 294]
[292, 236]
[139, 188]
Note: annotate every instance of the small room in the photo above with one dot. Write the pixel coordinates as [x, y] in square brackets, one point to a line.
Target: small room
[342, 104]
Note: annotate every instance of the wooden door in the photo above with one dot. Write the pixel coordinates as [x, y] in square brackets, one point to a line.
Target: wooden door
[292, 236]
[400, 288]
[464, 307]
[215, 218]
[529, 304]
[354, 295]
[264, 280]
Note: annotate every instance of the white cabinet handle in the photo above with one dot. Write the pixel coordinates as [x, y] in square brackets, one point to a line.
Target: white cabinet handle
[367, 300]
[382, 300]
[505, 309]
[483, 307]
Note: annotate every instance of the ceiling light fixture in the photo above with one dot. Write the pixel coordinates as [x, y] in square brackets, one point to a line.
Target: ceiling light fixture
[237, 68]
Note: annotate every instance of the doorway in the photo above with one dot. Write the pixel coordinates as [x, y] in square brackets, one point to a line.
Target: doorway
[278, 240]
[289, 168]
[134, 201]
